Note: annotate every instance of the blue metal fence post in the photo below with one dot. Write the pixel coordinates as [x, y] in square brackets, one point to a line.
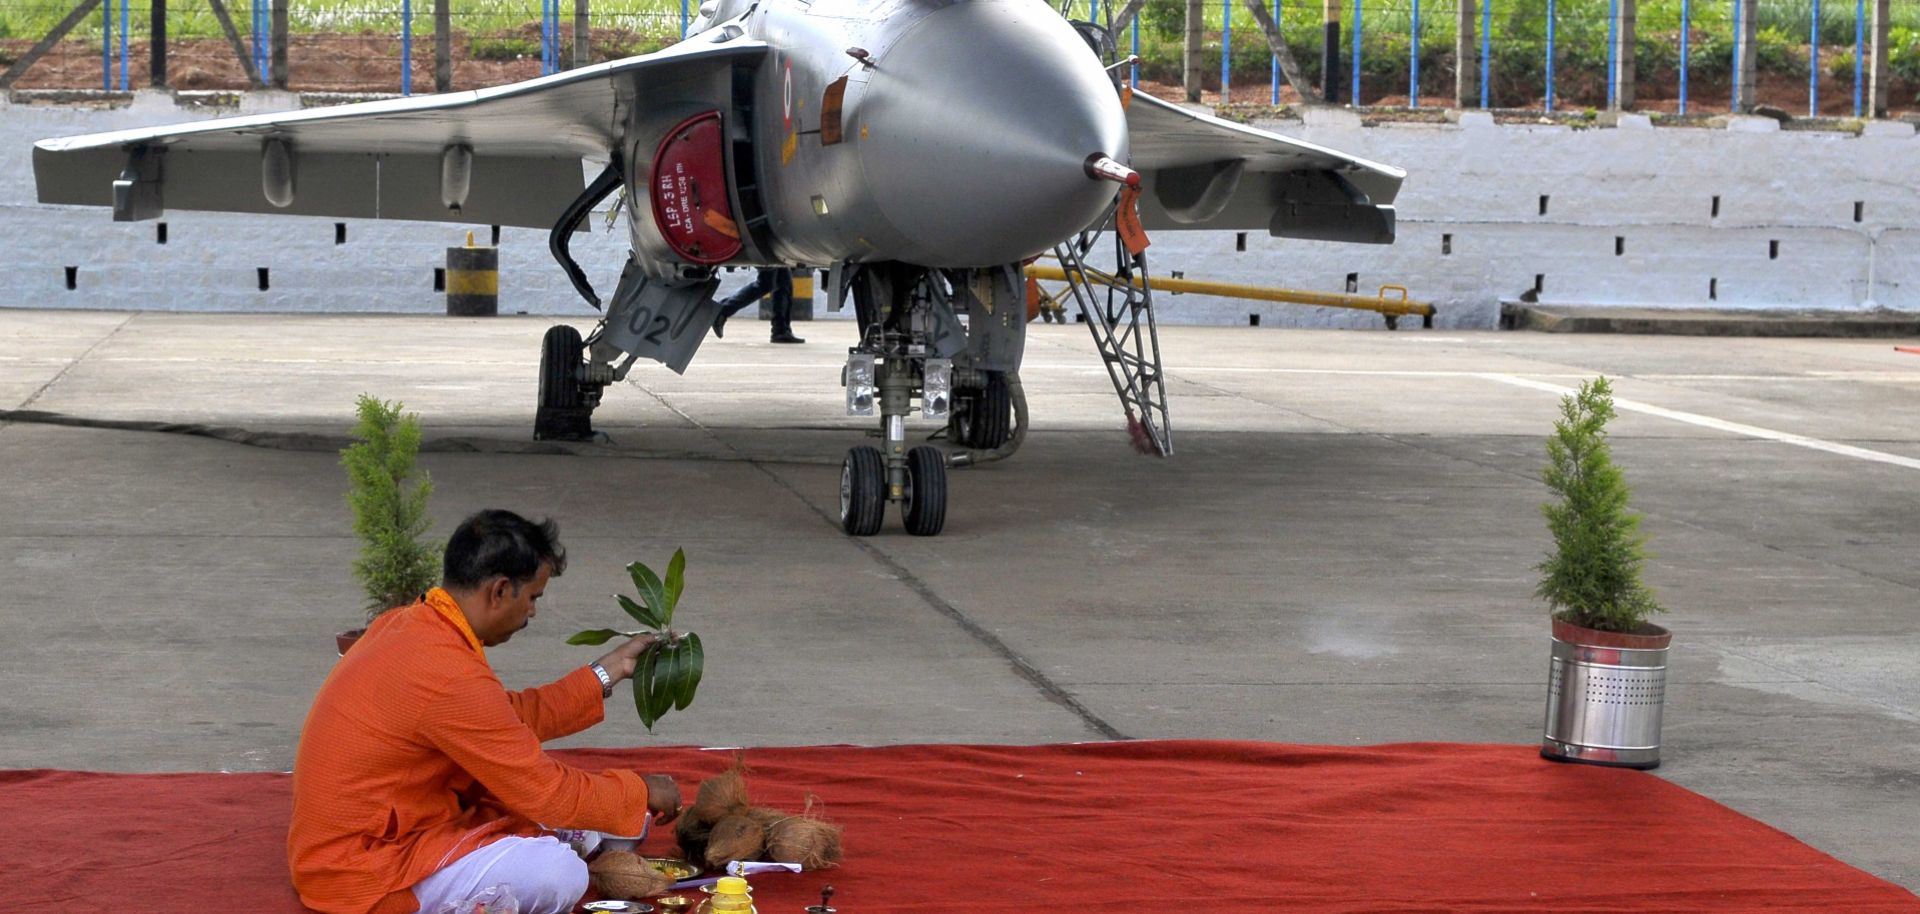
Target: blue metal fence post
[1279, 25]
[124, 28]
[262, 35]
[1356, 54]
[1859, 51]
[1549, 56]
[683, 18]
[1738, 53]
[1226, 46]
[1133, 77]
[1613, 52]
[406, 47]
[106, 46]
[1813, 64]
[1413, 60]
[1686, 27]
[1486, 50]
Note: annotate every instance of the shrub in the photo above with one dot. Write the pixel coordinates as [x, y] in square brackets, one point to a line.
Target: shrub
[1840, 66]
[1592, 577]
[503, 48]
[1903, 53]
[1774, 51]
[389, 517]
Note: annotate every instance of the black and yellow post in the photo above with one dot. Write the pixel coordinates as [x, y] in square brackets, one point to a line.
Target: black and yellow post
[802, 298]
[473, 280]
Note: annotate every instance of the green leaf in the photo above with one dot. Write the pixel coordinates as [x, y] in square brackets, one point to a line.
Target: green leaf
[695, 665]
[641, 614]
[660, 699]
[594, 636]
[642, 693]
[676, 582]
[651, 590]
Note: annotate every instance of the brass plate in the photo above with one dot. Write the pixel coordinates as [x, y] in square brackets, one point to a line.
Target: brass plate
[673, 868]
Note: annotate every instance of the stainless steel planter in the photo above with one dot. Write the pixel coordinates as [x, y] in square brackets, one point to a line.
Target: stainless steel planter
[1605, 695]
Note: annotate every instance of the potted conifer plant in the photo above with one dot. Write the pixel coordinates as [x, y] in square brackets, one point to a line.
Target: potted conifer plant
[1607, 679]
[389, 507]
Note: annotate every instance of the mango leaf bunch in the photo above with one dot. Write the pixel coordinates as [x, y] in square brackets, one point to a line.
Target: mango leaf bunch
[669, 672]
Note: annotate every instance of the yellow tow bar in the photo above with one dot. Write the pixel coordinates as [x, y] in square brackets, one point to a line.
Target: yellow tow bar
[1392, 308]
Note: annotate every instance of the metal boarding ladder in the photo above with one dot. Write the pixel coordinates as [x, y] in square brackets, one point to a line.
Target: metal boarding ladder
[1113, 308]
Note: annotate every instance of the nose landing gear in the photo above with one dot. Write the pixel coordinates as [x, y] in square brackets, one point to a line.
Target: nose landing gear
[915, 479]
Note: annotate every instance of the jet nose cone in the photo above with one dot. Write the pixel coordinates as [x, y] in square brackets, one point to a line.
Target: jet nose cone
[982, 118]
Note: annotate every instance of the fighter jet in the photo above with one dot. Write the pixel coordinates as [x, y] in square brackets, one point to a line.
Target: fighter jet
[918, 151]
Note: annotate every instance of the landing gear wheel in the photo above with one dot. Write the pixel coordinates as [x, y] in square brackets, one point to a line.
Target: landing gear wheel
[983, 416]
[863, 491]
[925, 508]
[564, 413]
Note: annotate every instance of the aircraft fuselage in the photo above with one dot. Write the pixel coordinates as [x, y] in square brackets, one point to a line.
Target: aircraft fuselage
[942, 134]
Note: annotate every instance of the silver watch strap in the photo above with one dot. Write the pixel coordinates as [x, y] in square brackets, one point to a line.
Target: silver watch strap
[606, 679]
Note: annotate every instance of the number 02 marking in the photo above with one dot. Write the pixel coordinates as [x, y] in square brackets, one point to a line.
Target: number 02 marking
[643, 317]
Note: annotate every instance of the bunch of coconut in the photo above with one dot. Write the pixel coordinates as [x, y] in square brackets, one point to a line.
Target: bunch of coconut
[722, 826]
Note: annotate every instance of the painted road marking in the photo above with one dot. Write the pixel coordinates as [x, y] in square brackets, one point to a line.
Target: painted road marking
[1750, 431]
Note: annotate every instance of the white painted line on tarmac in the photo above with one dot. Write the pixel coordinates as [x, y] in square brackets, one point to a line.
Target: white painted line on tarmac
[1750, 431]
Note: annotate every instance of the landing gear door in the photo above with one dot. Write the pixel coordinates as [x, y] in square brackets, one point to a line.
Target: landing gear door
[660, 319]
[996, 305]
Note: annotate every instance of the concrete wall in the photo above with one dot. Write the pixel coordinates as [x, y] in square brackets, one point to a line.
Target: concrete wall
[1629, 220]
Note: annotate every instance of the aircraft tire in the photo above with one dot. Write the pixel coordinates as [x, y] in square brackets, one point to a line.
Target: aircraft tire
[863, 491]
[993, 414]
[560, 354]
[966, 403]
[982, 416]
[925, 509]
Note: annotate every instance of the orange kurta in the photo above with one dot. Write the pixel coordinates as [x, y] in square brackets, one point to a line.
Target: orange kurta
[414, 755]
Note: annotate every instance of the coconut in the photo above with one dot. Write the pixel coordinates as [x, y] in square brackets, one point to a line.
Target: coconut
[722, 795]
[812, 843]
[735, 837]
[766, 816]
[692, 834]
[620, 874]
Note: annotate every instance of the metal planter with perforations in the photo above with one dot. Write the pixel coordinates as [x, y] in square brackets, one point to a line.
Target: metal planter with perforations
[1605, 695]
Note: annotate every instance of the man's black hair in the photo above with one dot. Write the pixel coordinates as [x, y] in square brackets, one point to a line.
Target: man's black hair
[496, 542]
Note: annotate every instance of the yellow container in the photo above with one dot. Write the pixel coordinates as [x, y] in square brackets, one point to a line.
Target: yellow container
[731, 895]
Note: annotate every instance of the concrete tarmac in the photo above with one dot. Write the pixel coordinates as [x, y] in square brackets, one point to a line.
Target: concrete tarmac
[1341, 550]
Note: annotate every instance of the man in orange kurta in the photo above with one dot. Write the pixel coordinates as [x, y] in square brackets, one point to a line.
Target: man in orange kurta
[414, 756]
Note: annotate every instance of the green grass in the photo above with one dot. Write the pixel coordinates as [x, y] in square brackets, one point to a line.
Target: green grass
[1518, 37]
[656, 19]
[500, 28]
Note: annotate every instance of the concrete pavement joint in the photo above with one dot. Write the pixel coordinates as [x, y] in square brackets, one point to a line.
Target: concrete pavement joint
[70, 365]
[1047, 687]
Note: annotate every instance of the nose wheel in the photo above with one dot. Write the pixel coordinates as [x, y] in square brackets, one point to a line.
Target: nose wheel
[922, 495]
[863, 491]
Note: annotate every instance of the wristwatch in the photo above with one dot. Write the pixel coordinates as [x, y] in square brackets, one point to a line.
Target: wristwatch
[606, 680]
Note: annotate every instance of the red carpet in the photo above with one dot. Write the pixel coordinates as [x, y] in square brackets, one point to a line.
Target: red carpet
[1112, 827]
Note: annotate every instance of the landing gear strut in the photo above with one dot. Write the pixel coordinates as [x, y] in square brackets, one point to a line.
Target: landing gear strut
[909, 336]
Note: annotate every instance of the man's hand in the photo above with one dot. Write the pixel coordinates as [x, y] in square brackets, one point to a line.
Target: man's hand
[625, 659]
[663, 797]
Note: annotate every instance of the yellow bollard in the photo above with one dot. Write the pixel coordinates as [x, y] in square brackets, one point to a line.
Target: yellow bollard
[473, 280]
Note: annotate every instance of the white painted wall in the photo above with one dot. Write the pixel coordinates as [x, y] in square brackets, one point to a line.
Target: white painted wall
[1477, 182]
